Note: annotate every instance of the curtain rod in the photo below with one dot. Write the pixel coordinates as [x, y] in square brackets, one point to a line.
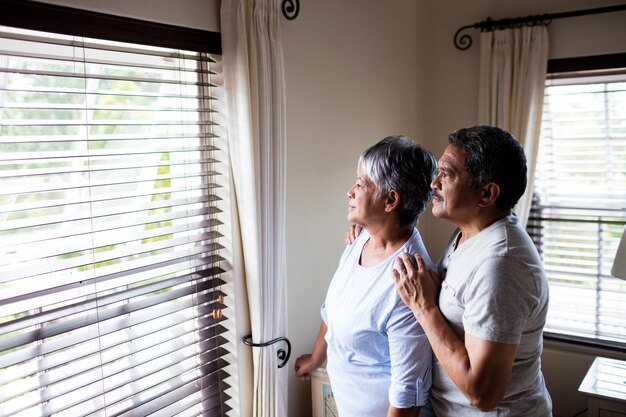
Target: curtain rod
[464, 42]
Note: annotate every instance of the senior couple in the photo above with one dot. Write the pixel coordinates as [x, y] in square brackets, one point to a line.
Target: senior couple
[405, 337]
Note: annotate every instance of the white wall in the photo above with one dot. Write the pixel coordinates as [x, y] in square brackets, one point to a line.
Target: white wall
[452, 94]
[353, 71]
[359, 70]
[356, 71]
[197, 14]
[452, 75]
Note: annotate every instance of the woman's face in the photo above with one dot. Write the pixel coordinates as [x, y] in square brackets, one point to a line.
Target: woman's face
[363, 206]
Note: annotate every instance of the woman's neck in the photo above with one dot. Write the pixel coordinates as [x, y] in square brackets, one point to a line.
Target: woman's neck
[382, 244]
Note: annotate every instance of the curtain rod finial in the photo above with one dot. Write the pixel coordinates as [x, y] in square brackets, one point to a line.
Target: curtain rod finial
[291, 9]
[464, 42]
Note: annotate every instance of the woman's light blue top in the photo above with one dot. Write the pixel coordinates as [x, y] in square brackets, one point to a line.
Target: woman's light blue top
[377, 352]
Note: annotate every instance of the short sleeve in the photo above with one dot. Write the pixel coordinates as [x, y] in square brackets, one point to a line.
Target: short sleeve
[411, 359]
[498, 300]
[352, 250]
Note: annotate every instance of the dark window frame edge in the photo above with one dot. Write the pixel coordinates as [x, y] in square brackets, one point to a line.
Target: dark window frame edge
[584, 345]
[572, 65]
[587, 63]
[26, 14]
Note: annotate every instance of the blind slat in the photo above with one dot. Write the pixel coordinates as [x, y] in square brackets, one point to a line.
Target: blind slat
[193, 192]
[94, 366]
[113, 229]
[125, 293]
[106, 222]
[89, 328]
[579, 213]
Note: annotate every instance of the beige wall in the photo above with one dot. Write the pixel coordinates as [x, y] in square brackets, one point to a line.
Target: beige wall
[197, 14]
[452, 75]
[359, 70]
[452, 94]
[356, 71]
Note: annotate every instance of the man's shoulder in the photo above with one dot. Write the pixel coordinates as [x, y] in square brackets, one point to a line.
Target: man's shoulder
[507, 238]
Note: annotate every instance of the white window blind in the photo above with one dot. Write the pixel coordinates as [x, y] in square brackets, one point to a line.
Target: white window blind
[113, 274]
[579, 211]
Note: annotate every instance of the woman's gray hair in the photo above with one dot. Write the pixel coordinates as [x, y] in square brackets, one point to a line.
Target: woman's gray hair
[397, 163]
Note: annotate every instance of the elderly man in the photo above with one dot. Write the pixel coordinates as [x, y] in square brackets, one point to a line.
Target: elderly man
[484, 318]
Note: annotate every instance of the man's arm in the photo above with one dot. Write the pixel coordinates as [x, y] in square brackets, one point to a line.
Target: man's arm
[479, 368]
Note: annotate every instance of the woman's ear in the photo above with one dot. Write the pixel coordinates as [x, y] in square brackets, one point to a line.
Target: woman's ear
[392, 200]
[489, 195]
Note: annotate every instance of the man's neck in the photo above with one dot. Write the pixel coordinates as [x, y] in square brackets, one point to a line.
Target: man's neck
[479, 224]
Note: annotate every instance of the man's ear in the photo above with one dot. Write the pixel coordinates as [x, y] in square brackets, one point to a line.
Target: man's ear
[392, 200]
[489, 194]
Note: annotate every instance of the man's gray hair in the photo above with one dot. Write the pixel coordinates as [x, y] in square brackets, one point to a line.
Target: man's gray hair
[397, 163]
[493, 155]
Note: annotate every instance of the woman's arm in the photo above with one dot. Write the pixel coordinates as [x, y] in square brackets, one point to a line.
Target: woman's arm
[410, 356]
[306, 364]
[403, 412]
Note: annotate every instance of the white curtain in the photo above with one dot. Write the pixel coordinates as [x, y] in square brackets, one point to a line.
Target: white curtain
[513, 64]
[255, 98]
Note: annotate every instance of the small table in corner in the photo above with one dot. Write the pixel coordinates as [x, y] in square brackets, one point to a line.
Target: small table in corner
[604, 386]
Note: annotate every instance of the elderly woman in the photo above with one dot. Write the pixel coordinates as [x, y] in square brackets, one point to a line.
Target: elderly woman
[378, 358]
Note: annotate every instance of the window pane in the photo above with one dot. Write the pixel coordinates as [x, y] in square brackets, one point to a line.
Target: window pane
[579, 211]
[112, 229]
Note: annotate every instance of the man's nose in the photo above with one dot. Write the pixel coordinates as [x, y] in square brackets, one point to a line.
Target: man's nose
[435, 182]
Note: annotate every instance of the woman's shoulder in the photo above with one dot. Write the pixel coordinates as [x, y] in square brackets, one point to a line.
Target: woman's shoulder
[355, 247]
[416, 246]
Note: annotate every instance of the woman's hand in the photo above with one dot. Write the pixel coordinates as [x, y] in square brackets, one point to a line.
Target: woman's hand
[417, 285]
[305, 364]
[353, 232]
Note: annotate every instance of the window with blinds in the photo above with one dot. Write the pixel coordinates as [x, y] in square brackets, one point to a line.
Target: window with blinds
[579, 209]
[113, 270]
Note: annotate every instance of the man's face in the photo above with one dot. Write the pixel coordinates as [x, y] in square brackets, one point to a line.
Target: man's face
[454, 200]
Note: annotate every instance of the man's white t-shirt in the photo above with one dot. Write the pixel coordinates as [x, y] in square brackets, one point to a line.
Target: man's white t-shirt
[494, 288]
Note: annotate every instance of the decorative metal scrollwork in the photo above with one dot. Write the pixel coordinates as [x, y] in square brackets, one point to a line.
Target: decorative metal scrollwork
[291, 9]
[281, 353]
[464, 42]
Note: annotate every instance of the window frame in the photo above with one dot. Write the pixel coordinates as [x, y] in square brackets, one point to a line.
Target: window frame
[46, 17]
[76, 22]
[566, 67]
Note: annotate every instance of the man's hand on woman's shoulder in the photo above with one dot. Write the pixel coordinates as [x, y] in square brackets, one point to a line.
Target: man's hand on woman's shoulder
[353, 232]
